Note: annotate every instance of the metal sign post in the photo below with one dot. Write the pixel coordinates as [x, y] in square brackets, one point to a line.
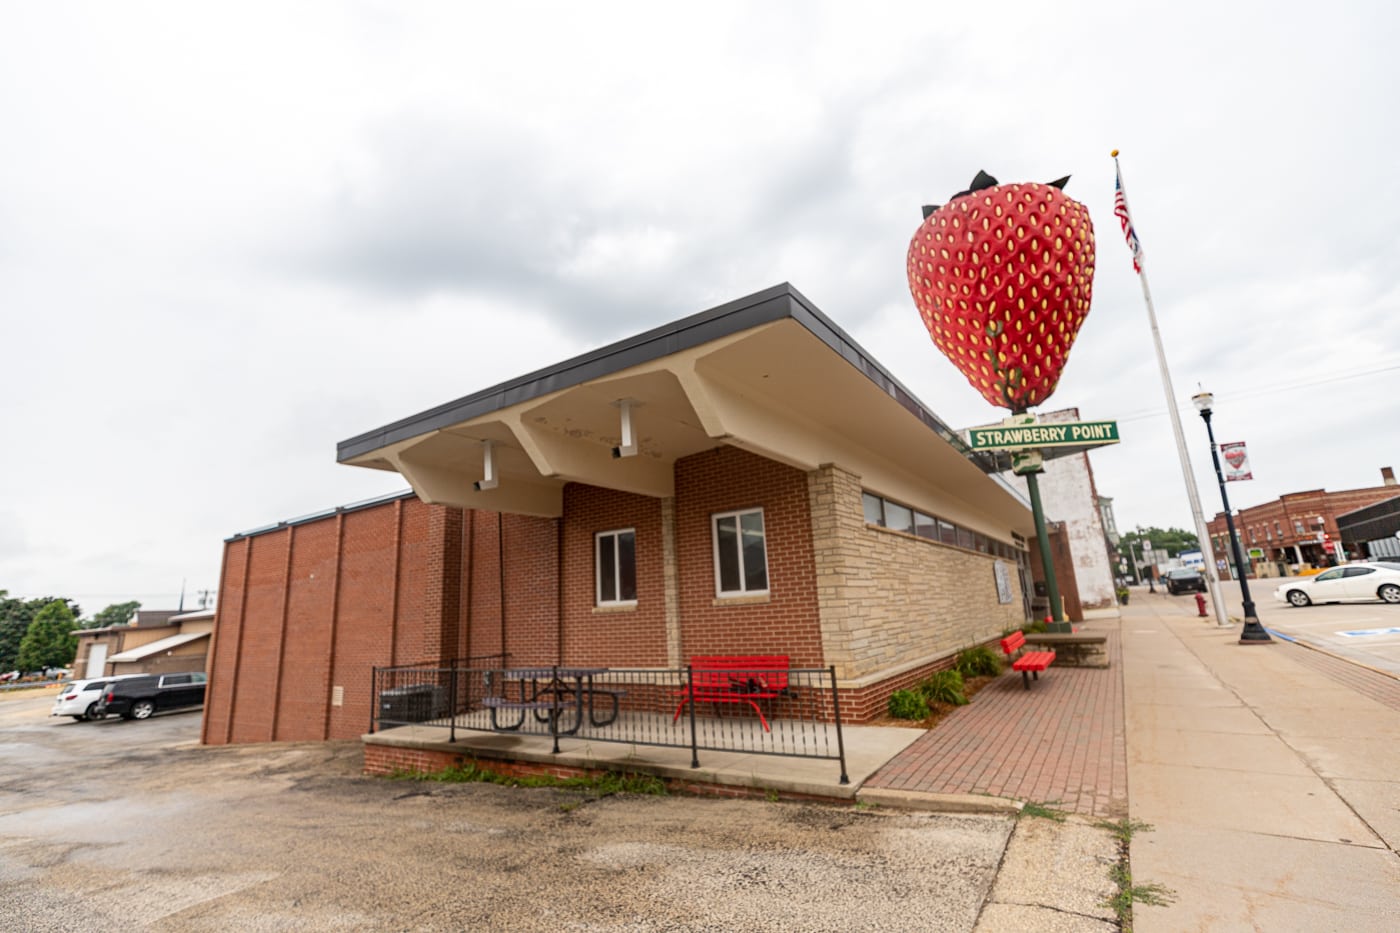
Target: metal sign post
[1023, 438]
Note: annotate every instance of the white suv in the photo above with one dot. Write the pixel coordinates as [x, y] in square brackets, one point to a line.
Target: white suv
[78, 698]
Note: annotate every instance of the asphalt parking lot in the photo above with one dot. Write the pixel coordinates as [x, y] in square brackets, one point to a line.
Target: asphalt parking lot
[120, 825]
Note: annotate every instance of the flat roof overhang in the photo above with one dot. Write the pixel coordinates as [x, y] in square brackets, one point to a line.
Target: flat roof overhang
[768, 373]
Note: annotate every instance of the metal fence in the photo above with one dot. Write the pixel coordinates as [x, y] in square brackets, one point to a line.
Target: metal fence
[793, 712]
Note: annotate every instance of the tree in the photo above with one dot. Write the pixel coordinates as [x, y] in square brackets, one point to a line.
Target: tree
[50, 641]
[15, 618]
[1169, 541]
[115, 614]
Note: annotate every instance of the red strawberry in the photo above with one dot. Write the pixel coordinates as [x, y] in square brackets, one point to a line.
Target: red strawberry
[1002, 276]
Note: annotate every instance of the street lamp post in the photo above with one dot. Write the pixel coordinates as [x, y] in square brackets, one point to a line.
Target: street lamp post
[1253, 633]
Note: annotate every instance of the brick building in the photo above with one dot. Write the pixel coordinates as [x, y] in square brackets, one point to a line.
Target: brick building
[744, 480]
[1298, 530]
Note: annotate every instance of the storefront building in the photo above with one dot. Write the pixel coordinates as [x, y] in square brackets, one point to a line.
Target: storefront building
[1298, 530]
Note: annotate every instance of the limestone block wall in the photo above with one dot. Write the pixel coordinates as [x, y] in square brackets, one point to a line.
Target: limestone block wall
[889, 601]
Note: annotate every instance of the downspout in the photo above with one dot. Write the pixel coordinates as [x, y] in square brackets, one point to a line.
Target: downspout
[559, 587]
[335, 620]
[501, 575]
[470, 533]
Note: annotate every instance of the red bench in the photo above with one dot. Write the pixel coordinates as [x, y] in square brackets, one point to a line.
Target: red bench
[1030, 662]
[736, 679]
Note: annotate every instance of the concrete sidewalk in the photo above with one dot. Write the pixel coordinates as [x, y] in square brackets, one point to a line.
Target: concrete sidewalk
[1270, 775]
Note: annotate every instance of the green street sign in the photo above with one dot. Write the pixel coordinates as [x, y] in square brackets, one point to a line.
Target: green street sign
[1030, 436]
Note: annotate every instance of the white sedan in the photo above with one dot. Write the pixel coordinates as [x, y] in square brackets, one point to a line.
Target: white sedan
[1349, 583]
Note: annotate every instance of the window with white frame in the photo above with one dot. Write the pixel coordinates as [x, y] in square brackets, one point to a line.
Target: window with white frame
[615, 557]
[741, 555]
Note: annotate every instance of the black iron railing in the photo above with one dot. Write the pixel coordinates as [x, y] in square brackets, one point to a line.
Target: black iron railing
[794, 712]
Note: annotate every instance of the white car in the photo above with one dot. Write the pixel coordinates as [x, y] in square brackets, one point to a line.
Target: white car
[1349, 583]
[78, 698]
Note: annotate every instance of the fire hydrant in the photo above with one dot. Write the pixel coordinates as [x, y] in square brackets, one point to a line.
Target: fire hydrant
[1201, 604]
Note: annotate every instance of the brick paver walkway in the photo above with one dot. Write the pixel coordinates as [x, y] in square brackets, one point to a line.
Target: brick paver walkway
[1060, 743]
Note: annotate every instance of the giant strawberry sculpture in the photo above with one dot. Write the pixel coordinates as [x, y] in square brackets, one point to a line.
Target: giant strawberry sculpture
[1002, 275]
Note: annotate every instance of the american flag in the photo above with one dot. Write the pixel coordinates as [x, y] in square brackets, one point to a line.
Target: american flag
[1120, 210]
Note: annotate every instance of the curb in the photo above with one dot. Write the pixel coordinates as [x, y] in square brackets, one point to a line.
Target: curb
[942, 803]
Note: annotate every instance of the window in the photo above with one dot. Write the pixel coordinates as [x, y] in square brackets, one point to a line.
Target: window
[947, 533]
[925, 526]
[741, 557]
[616, 562]
[899, 518]
[1297, 528]
[874, 508]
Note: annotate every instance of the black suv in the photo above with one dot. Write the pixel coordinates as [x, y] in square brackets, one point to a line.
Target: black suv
[1184, 580]
[140, 697]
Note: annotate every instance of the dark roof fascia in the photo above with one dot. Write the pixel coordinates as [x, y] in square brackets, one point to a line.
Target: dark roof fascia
[317, 516]
[1380, 509]
[777, 303]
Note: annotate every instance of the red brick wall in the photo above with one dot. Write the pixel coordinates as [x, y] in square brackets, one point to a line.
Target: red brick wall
[375, 596]
[727, 479]
[532, 590]
[319, 604]
[481, 590]
[634, 637]
[305, 641]
[223, 647]
[530, 603]
[385, 760]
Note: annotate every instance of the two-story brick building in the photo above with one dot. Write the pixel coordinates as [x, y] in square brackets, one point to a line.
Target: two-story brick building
[1297, 530]
[744, 480]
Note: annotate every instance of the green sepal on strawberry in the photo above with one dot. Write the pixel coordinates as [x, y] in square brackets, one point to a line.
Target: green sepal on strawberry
[1003, 276]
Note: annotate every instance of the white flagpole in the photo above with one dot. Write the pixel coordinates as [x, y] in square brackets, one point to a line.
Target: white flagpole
[1202, 531]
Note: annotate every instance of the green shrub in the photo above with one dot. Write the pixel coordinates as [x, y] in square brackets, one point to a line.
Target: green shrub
[944, 687]
[1033, 627]
[980, 661]
[908, 704]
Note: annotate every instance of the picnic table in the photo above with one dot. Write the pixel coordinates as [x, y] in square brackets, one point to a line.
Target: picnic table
[1085, 649]
[549, 693]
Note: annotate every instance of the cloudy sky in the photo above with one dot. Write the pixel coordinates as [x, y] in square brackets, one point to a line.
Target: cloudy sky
[232, 235]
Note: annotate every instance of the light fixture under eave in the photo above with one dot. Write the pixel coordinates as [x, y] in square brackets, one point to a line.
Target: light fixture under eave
[628, 447]
[488, 468]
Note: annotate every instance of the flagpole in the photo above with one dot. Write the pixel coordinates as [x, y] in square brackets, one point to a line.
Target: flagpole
[1202, 530]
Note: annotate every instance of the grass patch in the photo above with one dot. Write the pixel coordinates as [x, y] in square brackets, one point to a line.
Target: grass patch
[601, 784]
[1123, 830]
[1043, 811]
[1121, 903]
[1128, 893]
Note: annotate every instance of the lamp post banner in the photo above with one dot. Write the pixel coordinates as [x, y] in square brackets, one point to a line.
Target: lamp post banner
[1236, 461]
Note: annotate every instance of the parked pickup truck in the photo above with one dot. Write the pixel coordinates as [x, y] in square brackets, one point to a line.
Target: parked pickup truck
[141, 697]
